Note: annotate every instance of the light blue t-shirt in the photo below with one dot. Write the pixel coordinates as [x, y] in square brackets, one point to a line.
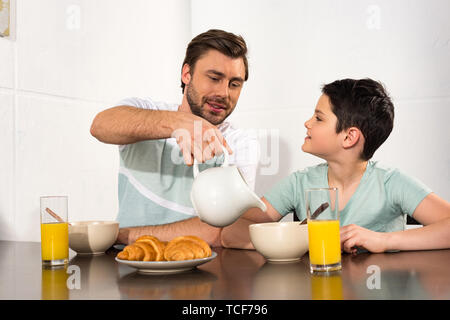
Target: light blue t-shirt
[383, 197]
[155, 183]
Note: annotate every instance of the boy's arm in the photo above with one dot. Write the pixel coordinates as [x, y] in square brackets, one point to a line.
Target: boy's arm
[433, 212]
[237, 235]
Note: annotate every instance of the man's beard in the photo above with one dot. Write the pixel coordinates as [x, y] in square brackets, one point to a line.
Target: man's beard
[196, 104]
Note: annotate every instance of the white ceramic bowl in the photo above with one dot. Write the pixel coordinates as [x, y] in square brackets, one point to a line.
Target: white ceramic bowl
[280, 241]
[92, 237]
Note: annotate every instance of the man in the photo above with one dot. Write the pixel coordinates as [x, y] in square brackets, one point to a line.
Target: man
[154, 180]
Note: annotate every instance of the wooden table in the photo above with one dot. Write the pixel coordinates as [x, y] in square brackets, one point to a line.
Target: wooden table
[234, 274]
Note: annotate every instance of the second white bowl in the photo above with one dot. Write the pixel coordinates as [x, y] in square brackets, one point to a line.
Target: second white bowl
[280, 241]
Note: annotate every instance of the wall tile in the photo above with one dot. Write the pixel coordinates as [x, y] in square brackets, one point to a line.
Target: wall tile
[296, 47]
[102, 50]
[6, 163]
[419, 143]
[6, 63]
[56, 155]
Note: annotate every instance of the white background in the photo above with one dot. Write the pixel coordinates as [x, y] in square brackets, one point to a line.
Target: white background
[68, 60]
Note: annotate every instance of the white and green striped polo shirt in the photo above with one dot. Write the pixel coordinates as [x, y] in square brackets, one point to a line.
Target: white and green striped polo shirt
[155, 183]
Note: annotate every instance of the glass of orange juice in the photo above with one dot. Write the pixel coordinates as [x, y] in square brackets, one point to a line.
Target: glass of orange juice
[322, 211]
[54, 230]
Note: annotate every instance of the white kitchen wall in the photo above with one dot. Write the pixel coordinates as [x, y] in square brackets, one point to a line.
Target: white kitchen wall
[296, 46]
[69, 59]
[101, 50]
[7, 164]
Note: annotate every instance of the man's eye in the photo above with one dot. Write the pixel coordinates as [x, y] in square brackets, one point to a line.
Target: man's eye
[318, 119]
[235, 84]
[214, 79]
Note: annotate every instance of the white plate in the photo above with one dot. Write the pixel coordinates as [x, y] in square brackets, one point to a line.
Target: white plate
[166, 266]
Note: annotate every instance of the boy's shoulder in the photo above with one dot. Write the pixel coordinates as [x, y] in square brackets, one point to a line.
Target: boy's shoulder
[312, 175]
[312, 170]
[383, 170]
[394, 177]
[374, 168]
[381, 167]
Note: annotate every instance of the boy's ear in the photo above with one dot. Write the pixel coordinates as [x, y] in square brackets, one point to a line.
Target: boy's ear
[186, 74]
[353, 136]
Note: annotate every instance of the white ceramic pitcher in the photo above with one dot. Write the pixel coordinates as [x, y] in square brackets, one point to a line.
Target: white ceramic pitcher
[220, 195]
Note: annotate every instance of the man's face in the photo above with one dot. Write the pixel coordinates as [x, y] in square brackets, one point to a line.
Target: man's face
[322, 139]
[215, 86]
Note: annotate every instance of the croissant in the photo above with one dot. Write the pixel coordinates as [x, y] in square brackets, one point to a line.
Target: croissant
[132, 252]
[146, 248]
[157, 245]
[186, 248]
[150, 248]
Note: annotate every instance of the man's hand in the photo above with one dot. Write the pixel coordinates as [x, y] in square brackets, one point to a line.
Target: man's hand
[353, 236]
[198, 138]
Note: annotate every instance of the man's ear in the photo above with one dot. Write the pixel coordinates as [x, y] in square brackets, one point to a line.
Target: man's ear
[186, 74]
[353, 136]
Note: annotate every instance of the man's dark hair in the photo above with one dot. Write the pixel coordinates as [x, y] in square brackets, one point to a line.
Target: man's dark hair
[363, 104]
[226, 43]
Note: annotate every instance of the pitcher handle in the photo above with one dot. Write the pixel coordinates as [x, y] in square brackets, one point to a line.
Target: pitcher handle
[224, 164]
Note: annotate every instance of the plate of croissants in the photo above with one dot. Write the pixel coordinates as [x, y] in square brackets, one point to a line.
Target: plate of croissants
[150, 255]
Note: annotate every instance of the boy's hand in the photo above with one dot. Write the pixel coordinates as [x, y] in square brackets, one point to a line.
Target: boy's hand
[353, 236]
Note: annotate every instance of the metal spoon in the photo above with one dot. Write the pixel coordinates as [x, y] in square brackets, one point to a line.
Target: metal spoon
[319, 210]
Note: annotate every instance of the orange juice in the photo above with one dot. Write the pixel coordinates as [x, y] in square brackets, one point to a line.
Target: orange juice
[55, 241]
[324, 242]
[54, 283]
[326, 287]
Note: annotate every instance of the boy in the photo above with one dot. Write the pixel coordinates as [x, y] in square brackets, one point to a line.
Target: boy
[351, 120]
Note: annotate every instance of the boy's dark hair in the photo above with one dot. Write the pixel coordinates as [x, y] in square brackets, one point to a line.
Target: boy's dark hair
[364, 104]
[227, 43]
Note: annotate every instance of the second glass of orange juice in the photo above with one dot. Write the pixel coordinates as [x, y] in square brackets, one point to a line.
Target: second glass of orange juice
[323, 229]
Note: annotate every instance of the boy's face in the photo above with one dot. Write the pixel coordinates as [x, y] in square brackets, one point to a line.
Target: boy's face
[214, 87]
[322, 139]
